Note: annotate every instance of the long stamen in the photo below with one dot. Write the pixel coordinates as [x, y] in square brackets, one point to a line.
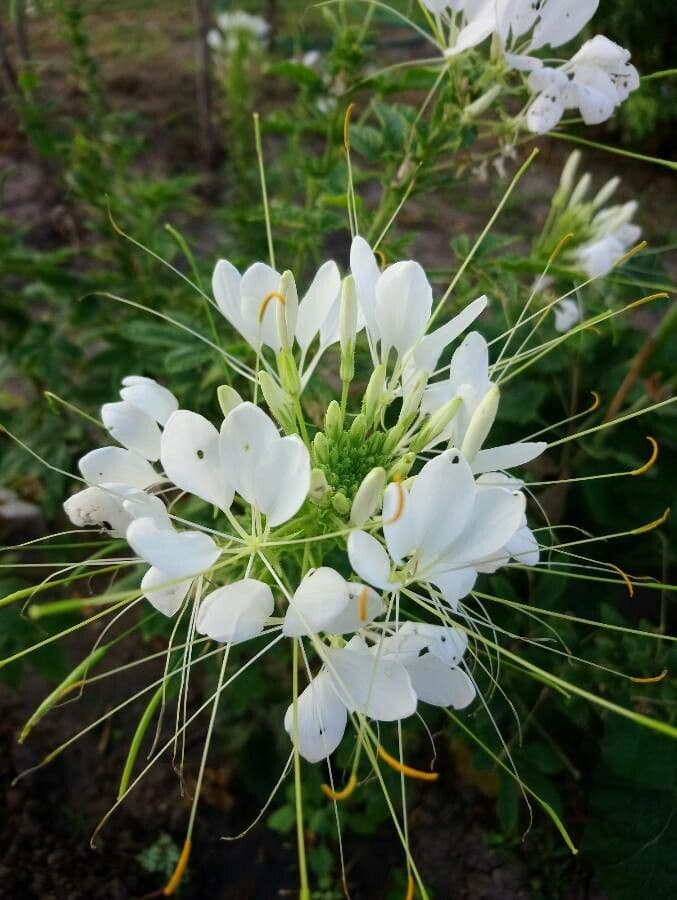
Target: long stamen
[342, 794]
[654, 679]
[266, 300]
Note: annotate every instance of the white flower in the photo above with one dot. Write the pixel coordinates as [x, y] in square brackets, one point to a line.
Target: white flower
[113, 507]
[236, 612]
[270, 472]
[567, 314]
[438, 531]
[325, 601]
[177, 554]
[614, 234]
[469, 381]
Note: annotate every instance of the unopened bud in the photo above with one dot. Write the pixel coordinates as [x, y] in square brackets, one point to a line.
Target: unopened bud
[567, 178]
[289, 374]
[411, 402]
[400, 470]
[482, 103]
[581, 189]
[606, 192]
[286, 310]
[393, 437]
[228, 398]
[358, 429]
[321, 447]
[341, 503]
[436, 424]
[373, 396]
[368, 498]
[333, 421]
[319, 486]
[348, 328]
[480, 423]
[279, 403]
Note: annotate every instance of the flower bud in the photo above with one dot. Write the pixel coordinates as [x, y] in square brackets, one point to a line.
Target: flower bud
[373, 396]
[606, 192]
[368, 498]
[411, 402]
[358, 429]
[482, 104]
[567, 178]
[289, 374]
[333, 421]
[480, 423]
[436, 424]
[581, 189]
[341, 503]
[319, 486]
[279, 403]
[348, 327]
[321, 447]
[400, 470]
[228, 398]
[393, 437]
[286, 312]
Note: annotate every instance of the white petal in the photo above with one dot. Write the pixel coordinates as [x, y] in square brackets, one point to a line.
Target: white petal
[431, 347]
[523, 547]
[226, 282]
[506, 456]
[562, 20]
[442, 499]
[370, 560]
[149, 396]
[496, 516]
[282, 479]
[366, 273]
[96, 507]
[399, 525]
[235, 612]
[545, 112]
[165, 593]
[455, 584]
[321, 719]
[178, 553]
[190, 457]
[403, 304]
[378, 688]
[258, 282]
[595, 95]
[140, 505]
[133, 428]
[479, 28]
[321, 597]
[371, 605]
[600, 51]
[437, 684]
[114, 464]
[317, 304]
[246, 434]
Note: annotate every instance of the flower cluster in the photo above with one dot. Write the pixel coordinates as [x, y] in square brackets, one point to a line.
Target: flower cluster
[233, 26]
[398, 507]
[597, 78]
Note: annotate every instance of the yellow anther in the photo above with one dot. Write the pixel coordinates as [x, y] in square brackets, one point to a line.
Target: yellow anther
[362, 604]
[631, 590]
[343, 794]
[382, 257]
[400, 502]
[178, 873]
[651, 460]
[654, 679]
[346, 126]
[661, 295]
[651, 525]
[630, 253]
[266, 300]
[410, 887]
[565, 240]
[595, 402]
[404, 769]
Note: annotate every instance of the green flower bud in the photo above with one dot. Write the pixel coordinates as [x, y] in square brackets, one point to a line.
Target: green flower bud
[581, 189]
[341, 503]
[373, 397]
[400, 470]
[480, 423]
[333, 421]
[228, 398]
[567, 178]
[279, 403]
[321, 447]
[289, 375]
[605, 192]
[393, 437]
[286, 312]
[358, 429]
[436, 424]
[482, 103]
[319, 486]
[368, 498]
[348, 328]
[412, 400]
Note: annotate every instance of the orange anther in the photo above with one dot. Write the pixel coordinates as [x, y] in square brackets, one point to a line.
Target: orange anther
[654, 679]
[179, 871]
[404, 769]
[362, 604]
[631, 590]
[346, 125]
[400, 504]
[410, 888]
[343, 794]
[266, 300]
[652, 459]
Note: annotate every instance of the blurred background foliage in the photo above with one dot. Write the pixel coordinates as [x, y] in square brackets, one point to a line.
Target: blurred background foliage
[124, 129]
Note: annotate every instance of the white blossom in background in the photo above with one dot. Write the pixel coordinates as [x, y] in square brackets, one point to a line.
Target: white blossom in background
[234, 25]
